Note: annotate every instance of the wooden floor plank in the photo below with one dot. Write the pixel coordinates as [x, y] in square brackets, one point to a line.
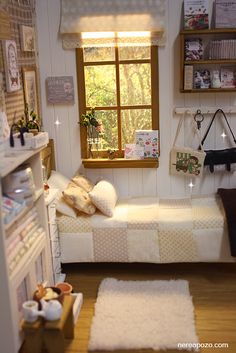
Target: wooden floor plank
[212, 287]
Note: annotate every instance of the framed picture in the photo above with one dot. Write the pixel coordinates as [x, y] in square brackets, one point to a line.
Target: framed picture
[11, 65]
[27, 38]
[60, 90]
[30, 88]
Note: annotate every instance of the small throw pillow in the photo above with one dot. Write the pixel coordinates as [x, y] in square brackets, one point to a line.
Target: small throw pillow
[104, 197]
[76, 197]
[83, 182]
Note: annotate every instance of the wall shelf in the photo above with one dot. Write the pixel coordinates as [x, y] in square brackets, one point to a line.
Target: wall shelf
[199, 45]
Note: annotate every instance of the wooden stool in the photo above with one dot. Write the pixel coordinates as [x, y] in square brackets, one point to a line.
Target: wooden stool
[33, 336]
[51, 333]
[54, 332]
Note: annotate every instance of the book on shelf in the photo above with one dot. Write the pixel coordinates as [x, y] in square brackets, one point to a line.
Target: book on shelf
[228, 77]
[193, 49]
[225, 13]
[222, 49]
[188, 76]
[202, 79]
[196, 14]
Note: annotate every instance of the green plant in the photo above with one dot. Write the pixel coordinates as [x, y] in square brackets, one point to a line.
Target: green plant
[28, 121]
[94, 126]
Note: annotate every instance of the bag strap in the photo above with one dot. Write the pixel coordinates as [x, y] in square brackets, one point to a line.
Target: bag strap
[213, 118]
[179, 128]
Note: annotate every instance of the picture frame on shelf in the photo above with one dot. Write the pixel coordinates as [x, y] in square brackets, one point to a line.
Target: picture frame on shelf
[12, 72]
[30, 88]
[27, 38]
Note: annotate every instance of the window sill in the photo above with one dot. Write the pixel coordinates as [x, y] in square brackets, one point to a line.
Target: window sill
[120, 163]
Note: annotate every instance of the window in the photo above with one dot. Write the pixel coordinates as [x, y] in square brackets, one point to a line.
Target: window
[121, 83]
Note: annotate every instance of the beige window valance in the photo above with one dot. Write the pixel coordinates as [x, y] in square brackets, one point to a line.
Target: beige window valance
[112, 22]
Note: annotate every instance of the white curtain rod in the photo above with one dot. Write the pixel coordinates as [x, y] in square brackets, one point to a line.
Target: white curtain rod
[205, 110]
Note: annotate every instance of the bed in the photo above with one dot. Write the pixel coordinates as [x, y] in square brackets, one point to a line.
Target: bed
[148, 230]
[143, 229]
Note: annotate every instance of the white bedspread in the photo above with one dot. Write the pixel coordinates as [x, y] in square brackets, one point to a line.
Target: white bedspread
[148, 230]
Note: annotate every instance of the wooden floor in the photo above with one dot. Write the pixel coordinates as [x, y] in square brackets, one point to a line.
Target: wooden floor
[212, 286]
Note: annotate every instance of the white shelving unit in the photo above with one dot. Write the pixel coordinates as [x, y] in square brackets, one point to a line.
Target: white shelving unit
[34, 266]
[50, 200]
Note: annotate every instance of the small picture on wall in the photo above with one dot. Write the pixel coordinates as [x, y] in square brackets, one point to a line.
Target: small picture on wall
[27, 38]
[11, 65]
[30, 88]
[60, 90]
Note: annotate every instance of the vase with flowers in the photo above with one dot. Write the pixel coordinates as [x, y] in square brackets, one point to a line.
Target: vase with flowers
[94, 130]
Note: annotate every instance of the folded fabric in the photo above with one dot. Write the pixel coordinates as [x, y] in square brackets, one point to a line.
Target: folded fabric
[228, 197]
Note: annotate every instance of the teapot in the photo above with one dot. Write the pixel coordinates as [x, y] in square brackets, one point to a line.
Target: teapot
[51, 310]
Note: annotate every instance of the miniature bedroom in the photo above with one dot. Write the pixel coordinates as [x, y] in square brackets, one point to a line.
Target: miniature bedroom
[118, 176]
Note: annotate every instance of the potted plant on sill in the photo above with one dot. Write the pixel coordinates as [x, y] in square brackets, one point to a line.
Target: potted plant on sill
[94, 129]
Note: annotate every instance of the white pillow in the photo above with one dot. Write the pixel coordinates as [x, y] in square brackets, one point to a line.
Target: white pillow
[60, 182]
[104, 197]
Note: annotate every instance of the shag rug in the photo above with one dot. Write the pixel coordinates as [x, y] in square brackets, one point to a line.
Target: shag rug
[142, 314]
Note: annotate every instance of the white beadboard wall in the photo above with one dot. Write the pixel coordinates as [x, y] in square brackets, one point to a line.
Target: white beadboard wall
[54, 61]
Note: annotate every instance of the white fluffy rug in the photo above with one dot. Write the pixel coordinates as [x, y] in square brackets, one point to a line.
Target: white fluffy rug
[142, 314]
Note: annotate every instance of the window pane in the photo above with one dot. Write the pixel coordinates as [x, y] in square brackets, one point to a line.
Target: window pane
[134, 119]
[99, 54]
[135, 84]
[100, 83]
[134, 53]
[110, 134]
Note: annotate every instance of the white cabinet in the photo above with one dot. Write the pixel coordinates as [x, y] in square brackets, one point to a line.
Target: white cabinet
[50, 200]
[20, 273]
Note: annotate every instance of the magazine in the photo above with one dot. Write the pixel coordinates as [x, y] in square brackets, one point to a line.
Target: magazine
[202, 79]
[196, 14]
[225, 13]
[228, 77]
[193, 49]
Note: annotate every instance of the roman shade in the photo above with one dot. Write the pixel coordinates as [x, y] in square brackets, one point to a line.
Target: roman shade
[87, 23]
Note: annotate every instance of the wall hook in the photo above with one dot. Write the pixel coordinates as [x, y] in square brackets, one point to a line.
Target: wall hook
[198, 117]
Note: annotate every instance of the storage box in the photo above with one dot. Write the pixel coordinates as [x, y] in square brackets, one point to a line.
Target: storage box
[149, 140]
[31, 141]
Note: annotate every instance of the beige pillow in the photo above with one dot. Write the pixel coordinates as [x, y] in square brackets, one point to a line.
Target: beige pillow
[83, 182]
[104, 197]
[76, 197]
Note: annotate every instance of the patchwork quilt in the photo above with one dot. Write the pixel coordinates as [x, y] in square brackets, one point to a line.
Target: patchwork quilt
[145, 230]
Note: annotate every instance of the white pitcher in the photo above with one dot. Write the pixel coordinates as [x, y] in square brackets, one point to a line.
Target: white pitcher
[51, 310]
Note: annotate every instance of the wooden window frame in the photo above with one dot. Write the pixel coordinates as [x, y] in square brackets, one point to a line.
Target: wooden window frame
[104, 162]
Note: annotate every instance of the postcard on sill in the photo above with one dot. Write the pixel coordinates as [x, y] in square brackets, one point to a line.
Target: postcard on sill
[150, 141]
[133, 151]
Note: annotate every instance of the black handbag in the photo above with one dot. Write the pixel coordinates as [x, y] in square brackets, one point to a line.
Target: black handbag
[226, 156]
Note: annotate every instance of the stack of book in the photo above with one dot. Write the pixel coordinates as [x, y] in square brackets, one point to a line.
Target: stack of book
[22, 237]
[222, 49]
